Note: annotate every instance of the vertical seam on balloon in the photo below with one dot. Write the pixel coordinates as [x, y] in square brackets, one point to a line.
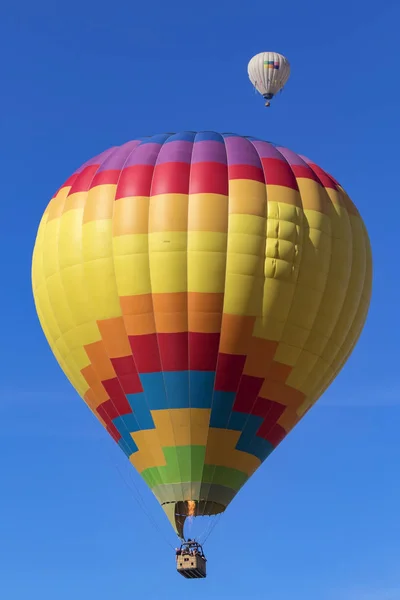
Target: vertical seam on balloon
[360, 307]
[216, 365]
[226, 428]
[156, 332]
[84, 282]
[40, 257]
[87, 295]
[321, 388]
[291, 303]
[62, 283]
[315, 397]
[124, 324]
[305, 237]
[249, 414]
[187, 321]
[323, 191]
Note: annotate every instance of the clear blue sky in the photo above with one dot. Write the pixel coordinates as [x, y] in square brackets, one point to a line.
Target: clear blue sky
[78, 77]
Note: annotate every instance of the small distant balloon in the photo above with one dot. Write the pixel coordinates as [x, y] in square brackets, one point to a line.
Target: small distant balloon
[268, 72]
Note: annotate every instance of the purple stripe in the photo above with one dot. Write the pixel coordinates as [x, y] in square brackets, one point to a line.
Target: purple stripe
[266, 150]
[178, 151]
[117, 159]
[308, 161]
[209, 151]
[97, 160]
[291, 157]
[241, 152]
[144, 154]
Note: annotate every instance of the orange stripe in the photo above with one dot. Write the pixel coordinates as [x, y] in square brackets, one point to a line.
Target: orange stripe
[284, 394]
[278, 371]
[131, 215]
[56, 205]
[259, 357]
[100, 203]
[114, 337]
[93, 402]
[138, 314]
[168, 212]
[100, 360]
[236, 332]
[99, 393]
[208, 212]
[76, 200]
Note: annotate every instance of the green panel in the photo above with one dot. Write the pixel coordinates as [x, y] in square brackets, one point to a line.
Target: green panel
[225, 476]
[184, 463]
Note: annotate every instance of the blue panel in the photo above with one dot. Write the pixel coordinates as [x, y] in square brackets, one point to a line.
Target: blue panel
[237, 421]
[141, 410]
[184, 136]
[127, 423]
[201, 388]
[221, 408]
[256, 446]
[177, 384]
[156, 139]
[250, 425]
[250, 442]
[128, 446]
[208, 136]
[154, 389]
[226, 135]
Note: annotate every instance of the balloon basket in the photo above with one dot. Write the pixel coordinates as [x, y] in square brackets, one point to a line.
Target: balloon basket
[190, 561]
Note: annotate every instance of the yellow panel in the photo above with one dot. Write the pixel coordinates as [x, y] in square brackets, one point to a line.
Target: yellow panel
[58, 299]
[131, 262]
[221, 451]
[313, 195]
[56, 204]
[310, 285]
[247, 197]
[285, 230]
[282, 194]
[182, 426]
[244, 283]
[74, 289]
[99, 204]
[82, 334]
[70, 239]
[74, 201]
[168, 212]
[99, 270]
[150, 453]
[50, 248]
[342, 336]
[206, 262]
[168, 265]
[131, 215]
[208, 212]
[331, 304]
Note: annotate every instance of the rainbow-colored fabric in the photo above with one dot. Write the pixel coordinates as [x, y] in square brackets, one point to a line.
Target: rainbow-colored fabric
[270, 64]
[200, 291]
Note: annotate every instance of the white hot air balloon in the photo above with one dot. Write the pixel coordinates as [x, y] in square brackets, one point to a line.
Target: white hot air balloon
[268, 72]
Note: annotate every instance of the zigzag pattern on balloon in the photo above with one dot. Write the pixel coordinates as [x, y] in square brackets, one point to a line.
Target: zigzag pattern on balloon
[201, 291]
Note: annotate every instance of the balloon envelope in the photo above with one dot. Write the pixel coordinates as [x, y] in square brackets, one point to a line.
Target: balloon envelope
[200, 291]
[268, 72]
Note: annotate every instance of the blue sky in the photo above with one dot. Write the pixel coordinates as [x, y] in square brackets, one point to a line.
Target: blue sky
[78, 77]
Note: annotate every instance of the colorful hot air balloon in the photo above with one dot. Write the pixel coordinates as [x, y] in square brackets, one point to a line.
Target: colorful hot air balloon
[268, 72]
[200, 291]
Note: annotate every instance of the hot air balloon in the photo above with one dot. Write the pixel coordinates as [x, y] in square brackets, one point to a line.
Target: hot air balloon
[268, 72]
[200, 291]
